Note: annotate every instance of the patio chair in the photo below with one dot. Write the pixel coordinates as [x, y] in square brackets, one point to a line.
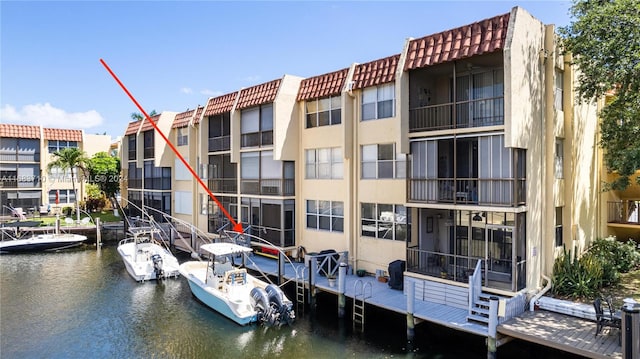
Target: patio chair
[608, 318]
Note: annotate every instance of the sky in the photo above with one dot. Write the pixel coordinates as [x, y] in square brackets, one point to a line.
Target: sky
[175, 55]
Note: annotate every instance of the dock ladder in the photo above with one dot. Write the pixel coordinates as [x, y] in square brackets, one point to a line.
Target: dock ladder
[300, 286]
[360, 295]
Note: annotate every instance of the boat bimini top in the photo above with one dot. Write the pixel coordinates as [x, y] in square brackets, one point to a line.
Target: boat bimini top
[223, 249]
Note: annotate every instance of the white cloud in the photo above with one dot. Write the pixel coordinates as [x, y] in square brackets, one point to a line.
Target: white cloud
[186, 90]
[210, 93]
[49, 116]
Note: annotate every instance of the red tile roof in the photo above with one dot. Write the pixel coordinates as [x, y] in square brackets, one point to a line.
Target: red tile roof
[132, 128]
[146, 125]
[198, 115]
[375, 72]
[478, 38]
[257, 95]
[220, 104]
[63, 135]
[182, 119]
[323, 85]
[19, 131]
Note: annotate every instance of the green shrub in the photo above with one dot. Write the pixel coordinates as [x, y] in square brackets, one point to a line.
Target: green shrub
[622, 256]
[575, 277]
[599, 266]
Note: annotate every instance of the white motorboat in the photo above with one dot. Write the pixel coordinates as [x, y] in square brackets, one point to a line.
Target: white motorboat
[42, 242]
[232, 291]
[145, 258]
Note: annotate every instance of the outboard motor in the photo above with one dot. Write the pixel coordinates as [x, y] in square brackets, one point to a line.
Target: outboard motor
[157, 266]
[281, 304]
[266, 313]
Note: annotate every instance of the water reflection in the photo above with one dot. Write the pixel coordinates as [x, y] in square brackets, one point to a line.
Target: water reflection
[83, 303]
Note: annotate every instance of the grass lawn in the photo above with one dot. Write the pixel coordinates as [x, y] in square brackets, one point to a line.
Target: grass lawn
[629, 287]
[105, 216]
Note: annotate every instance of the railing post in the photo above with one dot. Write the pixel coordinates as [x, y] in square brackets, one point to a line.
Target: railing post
[492, 330]
[280, 268]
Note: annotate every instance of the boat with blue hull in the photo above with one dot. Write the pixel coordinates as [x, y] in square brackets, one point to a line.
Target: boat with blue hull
[42, 242]
[232, 291]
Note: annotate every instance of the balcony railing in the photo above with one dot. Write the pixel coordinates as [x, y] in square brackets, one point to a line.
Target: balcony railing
[8, 183]
[481, 191]
[20, 157]
[223, 185]
[222, 143]
[268, 187]
[256, 139]
[497, 274]
[148, 152]
[624, 212]
[473, 113]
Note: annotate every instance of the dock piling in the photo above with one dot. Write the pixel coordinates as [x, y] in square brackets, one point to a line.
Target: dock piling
[98, 234]
[313, 265]
[342, 283]
[630, 331]
[411, 298]
[492, 346]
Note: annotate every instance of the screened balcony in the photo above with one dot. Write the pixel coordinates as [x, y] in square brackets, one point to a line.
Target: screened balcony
[468, 170]
[463, 94]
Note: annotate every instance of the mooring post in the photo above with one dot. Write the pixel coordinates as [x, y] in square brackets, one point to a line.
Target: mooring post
[98, 234]
[492, 330]
[342, 285]
[313, 264]
[630, 331]
[280, 268]
[411, 299]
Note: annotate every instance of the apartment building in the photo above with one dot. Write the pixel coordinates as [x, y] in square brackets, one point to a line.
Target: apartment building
[26, 151]
[467, 146]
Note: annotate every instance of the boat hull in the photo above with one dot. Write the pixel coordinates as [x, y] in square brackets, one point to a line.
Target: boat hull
[42, 242]
[140, 265]
[210, 296]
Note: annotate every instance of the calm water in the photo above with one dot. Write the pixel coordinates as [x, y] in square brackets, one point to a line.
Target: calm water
[83, 303]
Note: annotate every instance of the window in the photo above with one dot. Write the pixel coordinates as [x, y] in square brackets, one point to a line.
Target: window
[559, 158]
[204, 201]
[325, 215]
[219, 132]
[64, 196]
[256, 125]
[378, 102]
[384, 221]
[558, 226]
[184, 202]
[148, 144]
[382, 161]
[132, 147]
[559, 93]
[323, 112]
[182, 173]
[183, 136]
[324, 163]
[57, 145]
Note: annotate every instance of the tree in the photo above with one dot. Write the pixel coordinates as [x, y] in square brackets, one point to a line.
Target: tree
[137, 116]
[104, 171]
[71, 158]
[605, 41]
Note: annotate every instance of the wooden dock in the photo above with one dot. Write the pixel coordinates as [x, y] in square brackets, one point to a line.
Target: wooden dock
[563, 332]
[559, 331]
[382, 296]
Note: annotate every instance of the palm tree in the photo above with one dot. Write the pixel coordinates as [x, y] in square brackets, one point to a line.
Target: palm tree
[137, 116]
[71, 158]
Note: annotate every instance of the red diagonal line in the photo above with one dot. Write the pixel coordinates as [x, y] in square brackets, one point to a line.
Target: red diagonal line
[236, 226]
